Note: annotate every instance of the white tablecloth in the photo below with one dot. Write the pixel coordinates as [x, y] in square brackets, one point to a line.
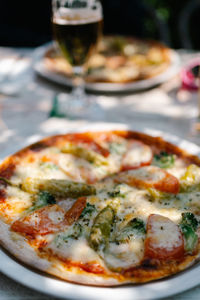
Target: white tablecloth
[24, 119]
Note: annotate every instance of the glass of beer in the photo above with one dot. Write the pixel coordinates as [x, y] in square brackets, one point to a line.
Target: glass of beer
[77, 26]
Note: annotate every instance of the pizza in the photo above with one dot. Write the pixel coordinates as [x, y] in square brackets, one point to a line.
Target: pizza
[102, 208]
[118, 60]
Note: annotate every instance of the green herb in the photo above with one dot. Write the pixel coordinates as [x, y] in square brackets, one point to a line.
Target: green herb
[138, 225]
[117, 148]
[72, 233]
[75, 234]
[88, 210]
[135, 226]
[50, 166]
[114, 194]
[164, 160]
[43, 199]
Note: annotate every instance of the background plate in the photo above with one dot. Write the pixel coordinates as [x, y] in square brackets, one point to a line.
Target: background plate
[171, 71]
[154, 290]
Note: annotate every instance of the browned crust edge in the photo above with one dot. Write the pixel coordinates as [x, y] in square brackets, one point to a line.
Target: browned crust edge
[56, 140]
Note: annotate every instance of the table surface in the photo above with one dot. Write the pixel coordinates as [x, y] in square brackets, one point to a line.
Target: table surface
[24, 119]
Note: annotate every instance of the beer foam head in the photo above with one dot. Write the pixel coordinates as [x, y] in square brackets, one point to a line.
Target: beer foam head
[77, 15]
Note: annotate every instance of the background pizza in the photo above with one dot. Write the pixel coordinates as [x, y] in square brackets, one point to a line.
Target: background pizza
[102, 208]
[118, 60]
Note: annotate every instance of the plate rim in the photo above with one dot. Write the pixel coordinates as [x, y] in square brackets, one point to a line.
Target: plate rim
[172, 70]
[165, 287]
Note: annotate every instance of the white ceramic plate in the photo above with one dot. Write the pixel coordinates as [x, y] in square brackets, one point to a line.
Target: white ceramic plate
[154, 290]
[171, 71]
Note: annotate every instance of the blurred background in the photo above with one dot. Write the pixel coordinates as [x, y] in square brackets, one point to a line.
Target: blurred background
[27, 23]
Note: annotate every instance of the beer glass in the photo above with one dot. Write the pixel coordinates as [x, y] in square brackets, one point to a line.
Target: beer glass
[77, 26]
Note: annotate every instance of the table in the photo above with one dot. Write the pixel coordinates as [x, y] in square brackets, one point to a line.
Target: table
[24, 119]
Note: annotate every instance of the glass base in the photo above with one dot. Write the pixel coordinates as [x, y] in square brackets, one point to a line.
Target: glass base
[72, 106]
[195, 126]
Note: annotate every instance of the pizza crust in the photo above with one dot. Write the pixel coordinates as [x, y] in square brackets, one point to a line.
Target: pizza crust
[19, 247]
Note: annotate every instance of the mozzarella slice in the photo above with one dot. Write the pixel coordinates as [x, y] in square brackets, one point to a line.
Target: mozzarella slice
[137, 155]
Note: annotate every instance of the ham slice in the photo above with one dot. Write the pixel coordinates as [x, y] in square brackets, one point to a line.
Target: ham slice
[49, 219]
[150, 177]
[164, 238]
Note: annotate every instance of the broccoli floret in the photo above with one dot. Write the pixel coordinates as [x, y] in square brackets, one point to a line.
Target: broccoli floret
[133, 227]
[164, 160]
[189, 219]
[191, 237]
[138, 224]
[188, 227]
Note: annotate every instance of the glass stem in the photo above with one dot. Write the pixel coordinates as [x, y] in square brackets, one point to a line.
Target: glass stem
[78, 92]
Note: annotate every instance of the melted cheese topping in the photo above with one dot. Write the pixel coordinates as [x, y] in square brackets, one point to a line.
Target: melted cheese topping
[125, 255]
[56, 216]
[128, 202]
[75, 250]
[38, 169]
[16, 204]
[149, 174]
